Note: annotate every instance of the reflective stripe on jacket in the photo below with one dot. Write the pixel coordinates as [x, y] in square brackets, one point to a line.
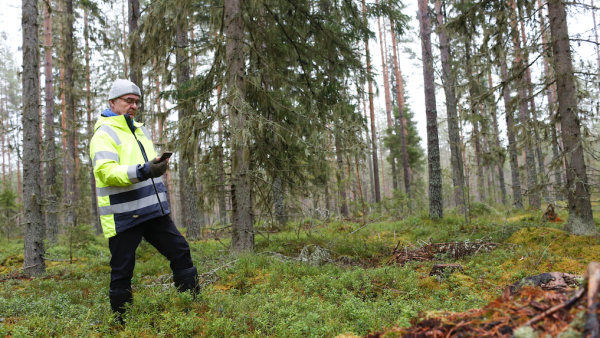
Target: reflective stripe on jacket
[125, 197]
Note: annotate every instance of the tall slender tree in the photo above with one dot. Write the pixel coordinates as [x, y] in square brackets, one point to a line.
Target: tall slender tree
[135, 74]
[436, 205]
[50, 153]
[372, 115]
[242, 238]
[524, 115]
[187, 188]
[90, 127]
[401, 120]
[581, 221]
[458, 178]
[71, 198]
[33, 262]
[500, 162]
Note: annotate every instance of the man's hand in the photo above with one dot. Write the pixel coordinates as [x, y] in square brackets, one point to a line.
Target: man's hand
[157, 169]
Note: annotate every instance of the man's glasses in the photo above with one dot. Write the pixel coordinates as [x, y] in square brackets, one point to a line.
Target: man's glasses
[131, 101]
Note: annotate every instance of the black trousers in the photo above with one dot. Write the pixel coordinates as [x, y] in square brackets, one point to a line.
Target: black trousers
[162, 233]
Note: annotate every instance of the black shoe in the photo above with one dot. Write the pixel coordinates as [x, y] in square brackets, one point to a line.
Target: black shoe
[118, 300]
[187, 280]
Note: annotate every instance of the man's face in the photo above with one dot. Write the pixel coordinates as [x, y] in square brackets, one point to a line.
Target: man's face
[126, 104]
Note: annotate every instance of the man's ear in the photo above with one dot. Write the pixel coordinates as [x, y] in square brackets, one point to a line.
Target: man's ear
[111, 103]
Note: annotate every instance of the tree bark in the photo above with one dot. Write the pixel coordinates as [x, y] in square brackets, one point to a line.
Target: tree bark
[90, 127]
[475, 136]
[538, 146]
[50, 154]
[372, 111]
[70, 123]
[551, 108]
[388, 101]
[135, 73]
[190, 216]
[222, 197]
[369, 162]
[401, 119]
[534, 198]
[33, 262]
[512, 143]
[242, 238]
[341, 176]
[581, 221]
[436, 204]
[500, 163]
[458, 178]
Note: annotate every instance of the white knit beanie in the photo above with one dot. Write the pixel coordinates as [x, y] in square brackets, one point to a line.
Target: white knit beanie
[123, 87]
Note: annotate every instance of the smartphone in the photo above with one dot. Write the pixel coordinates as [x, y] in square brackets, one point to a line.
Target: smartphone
[165, 156]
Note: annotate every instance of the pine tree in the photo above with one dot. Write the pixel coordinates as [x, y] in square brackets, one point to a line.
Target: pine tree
[33, 263]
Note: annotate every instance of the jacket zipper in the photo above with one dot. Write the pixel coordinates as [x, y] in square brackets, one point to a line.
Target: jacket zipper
[146, 159]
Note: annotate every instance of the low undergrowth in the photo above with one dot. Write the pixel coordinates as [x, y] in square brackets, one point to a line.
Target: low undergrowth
[283, 290]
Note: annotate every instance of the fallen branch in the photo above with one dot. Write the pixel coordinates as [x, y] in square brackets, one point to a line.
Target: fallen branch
[364, 225]
[550, 311]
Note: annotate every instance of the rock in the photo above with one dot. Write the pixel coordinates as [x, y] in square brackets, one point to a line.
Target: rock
[547, 281]
[440, 269]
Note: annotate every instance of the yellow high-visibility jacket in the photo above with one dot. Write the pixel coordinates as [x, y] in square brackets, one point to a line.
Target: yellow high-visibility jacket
[126, 194]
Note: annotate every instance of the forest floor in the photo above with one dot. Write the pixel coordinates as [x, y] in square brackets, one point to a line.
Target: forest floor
[310, 279]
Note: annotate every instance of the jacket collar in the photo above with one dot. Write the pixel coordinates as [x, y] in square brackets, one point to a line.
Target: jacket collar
[116, 121]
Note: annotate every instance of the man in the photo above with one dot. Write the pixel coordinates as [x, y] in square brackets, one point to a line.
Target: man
[132, 199]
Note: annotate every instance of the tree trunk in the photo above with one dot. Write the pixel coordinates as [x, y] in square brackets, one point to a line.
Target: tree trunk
[401, 119]
[341, 176]
[50, 180]
[70, 123]
[369, 162]
[222, 197]
[33, 262]
[538, 147]
[596, 35]
[436, 204]
[500, 163]
[135, 74]
[512, 143]
[388, 101]
[242, 238]
[90, 127]
[534, 198]
[474, 120]
[458, 178]
[372, 110]
[557, 161]
[190, 216]
[581, 221]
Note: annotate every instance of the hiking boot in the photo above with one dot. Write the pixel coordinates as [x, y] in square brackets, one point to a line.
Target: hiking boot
[187, 280]
[118, 302]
